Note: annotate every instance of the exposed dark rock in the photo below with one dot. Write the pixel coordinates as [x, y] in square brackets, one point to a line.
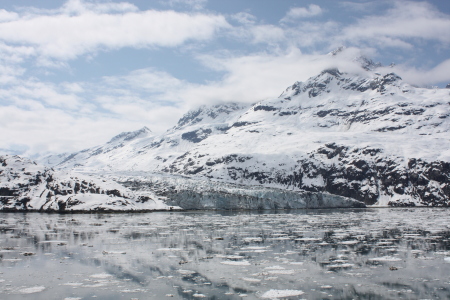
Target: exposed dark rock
[390, 128]
[287, 113]
[114, 192]
[190, 117]
[265, 108]
[240, 124]
[196, 136]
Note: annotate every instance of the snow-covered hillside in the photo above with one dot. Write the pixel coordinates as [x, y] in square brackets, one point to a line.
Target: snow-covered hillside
[26, 186]
[368, 136]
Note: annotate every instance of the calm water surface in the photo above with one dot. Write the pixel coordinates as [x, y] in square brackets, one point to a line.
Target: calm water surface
[311, 254]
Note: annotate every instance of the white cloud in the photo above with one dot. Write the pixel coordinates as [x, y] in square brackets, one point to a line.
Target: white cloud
[267, 34]
[53, 130]
[6, 16]
[45, 117]
[195, 4]
[302, 12]
[23, 92]
[82, 28]
[406, 20]
[255, 77]
[145, 79]
[80, 6]
[311, 34]
[244, 18]
[362, 7]
[423, 77]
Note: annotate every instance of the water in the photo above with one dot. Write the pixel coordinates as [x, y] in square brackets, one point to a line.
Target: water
[310, 254]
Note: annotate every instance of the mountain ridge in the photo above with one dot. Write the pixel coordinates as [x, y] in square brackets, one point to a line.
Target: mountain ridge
[368, 136]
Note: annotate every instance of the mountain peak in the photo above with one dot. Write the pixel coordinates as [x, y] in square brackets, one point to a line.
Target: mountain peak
[365, 62]
[332, 79]
[207, 113]
[131, 135]
[337, 51]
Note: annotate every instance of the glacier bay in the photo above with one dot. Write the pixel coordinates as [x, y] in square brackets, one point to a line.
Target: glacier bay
[400, 253]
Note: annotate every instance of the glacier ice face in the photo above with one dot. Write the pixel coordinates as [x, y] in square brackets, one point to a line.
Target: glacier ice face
[190, 193]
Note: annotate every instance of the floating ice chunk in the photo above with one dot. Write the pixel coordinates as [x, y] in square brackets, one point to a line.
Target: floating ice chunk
[230, 256]
[31, 290]
[252, 239]
[385, 258]
[97, 285]
[255, 248]
[349, 242]
[282, 272]
[73, 283]
[248, 279]
[275, 268]
[186, 272]
[169, 249]
[113, 252]
[101, 275]
[281, 238]
[132, 291]
[447, 259]
[235, 263]
[54, 242]
[199, 296]
[12, 259]
[274, 294]
[340, 266]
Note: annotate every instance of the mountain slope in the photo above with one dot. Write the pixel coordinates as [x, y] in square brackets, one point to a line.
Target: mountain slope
[368, 136]
[26, 186]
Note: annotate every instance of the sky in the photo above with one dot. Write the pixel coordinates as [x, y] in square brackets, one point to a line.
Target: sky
[75, 73]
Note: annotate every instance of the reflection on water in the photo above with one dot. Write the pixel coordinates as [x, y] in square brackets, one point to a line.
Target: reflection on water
[311, 254]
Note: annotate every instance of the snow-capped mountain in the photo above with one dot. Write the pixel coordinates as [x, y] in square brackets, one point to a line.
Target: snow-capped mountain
[367, 136]
[27, 186]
